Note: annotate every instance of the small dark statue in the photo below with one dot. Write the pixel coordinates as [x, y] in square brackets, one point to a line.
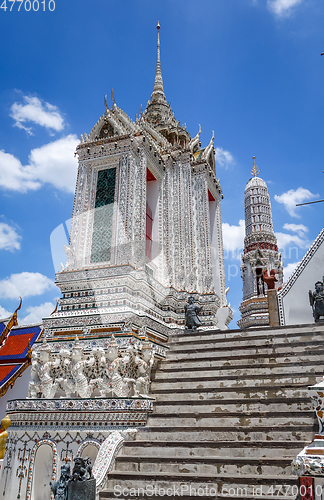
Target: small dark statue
[191, 311]
[81, 485]
[59, 488]
[79, 472]
[316, 300]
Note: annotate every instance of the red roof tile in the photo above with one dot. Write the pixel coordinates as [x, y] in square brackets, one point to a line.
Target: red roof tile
[16, 344]
[5, 370]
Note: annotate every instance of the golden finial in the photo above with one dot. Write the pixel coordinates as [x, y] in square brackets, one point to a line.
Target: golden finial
[255, 171]
[158, 26]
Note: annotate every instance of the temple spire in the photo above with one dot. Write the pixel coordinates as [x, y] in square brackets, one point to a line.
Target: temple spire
[158, 82]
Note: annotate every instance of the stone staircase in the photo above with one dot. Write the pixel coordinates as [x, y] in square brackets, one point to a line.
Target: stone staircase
[232, 410]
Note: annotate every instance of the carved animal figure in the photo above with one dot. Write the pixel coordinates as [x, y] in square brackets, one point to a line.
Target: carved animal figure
[79, 472]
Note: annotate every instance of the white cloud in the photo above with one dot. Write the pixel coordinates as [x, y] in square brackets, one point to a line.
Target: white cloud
[53, 163]
[282, 7]
[37, 313]
[224, 158]
[9, 239]
[33, 110]
[300, 229]
[233, 238]
[4, 313]
[14, 176]
[292, 197]
[285, 239]
[24, 285]
[289, 269]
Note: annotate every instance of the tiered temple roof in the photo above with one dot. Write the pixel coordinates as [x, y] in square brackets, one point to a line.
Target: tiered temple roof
[15, 349]
[157, 123]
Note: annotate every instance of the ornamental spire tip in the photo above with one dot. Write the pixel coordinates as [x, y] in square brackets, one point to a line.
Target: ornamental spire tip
[255, 171]
[158, 82]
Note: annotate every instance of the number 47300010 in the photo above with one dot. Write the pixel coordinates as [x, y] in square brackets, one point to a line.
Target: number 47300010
[27, 5]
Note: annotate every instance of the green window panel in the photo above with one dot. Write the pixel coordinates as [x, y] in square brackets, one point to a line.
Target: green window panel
[103, 216]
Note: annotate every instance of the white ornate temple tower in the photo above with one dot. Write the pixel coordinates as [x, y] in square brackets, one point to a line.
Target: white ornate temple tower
[146, 225]
[145, 233]
[260, 253]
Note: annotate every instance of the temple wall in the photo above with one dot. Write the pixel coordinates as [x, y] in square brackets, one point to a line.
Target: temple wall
[293, 299]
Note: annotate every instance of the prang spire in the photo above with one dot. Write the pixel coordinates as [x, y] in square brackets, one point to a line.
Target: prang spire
[158, 82]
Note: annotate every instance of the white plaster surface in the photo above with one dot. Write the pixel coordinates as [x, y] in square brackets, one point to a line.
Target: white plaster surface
[18, 391]
[295, 301]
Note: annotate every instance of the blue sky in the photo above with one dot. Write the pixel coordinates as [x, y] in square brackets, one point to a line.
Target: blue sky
[250, 70]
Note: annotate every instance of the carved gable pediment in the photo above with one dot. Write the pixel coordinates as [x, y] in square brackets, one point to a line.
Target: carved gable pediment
[107, 130]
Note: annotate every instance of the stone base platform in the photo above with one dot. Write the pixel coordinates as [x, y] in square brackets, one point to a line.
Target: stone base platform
[45, 433]
[78, 413]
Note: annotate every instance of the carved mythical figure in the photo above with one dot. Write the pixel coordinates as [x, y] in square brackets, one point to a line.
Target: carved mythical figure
[88, 467]
[84, 374]
[120, 386]
[97, 374]
[63, 374]
[316, 300]
[70, 256]
[79, 472]
[34, 388]
[112, 350]
[80, 382]
[59, 488]
[260, 285]
[143, 380]
[191, 311]
[47, 385]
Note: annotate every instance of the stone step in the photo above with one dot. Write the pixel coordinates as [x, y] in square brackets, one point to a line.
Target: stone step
[204, 352]
[304, 359]
[183, 449]
[288, 342]
[206, 465]
[300, 379]
[225, 394]
[232, 410]
[241, 335]
[231, 407]
[243, 486]
[284, 433]
[244, 419]
[236, 371]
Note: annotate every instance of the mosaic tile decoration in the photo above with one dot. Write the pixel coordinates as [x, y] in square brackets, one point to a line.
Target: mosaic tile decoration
[105, 458]
[103, 216]
[96, 404]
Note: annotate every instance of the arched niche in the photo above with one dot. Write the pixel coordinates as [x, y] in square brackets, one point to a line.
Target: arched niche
[43, 472]
[89, 449]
